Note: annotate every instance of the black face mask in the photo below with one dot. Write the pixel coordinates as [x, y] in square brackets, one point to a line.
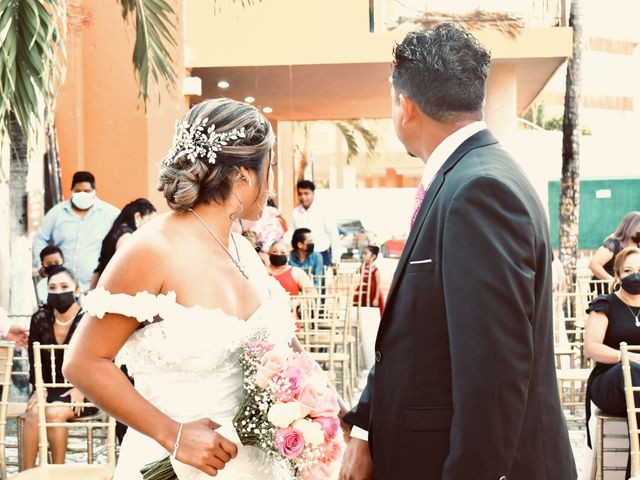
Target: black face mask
[50, 268]
[278, 260]
[631, 284]
[61, 301]
[310, 247]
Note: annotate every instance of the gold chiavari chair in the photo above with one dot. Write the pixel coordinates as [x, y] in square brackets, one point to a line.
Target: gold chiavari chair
[632, 409]
[321, 336]
[99, 421]
[6, 367]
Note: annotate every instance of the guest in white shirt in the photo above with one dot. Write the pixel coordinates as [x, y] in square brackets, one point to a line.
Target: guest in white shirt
[78, 227]
[308, 214]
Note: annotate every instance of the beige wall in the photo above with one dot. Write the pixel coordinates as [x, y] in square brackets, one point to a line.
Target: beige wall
[304, 32]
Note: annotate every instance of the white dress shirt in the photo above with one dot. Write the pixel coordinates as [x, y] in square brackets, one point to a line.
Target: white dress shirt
[80, 239]
[434, 163]
[319, 221]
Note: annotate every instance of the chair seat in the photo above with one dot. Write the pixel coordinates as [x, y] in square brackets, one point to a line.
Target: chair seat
[324, 357]
[578, 374]
[67, 472]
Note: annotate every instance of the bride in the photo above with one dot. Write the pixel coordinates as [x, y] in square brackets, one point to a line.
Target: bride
[176, 302]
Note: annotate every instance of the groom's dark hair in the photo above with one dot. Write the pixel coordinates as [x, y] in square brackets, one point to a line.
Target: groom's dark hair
[443, 71]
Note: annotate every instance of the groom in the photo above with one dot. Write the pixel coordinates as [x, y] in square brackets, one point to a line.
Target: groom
[464, 385]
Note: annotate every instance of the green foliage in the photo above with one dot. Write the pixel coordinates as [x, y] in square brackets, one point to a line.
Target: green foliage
[32, 61]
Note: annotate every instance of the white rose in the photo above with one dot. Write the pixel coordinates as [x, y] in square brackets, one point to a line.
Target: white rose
[283, 414]
[312, 431]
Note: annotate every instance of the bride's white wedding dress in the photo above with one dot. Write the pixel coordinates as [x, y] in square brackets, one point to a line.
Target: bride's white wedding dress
[187, 365]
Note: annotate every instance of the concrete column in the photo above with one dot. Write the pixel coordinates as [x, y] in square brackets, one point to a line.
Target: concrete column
[285, 173]
[501, 105]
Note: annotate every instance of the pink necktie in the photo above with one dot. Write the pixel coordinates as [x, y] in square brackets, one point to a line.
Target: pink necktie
[420, 193]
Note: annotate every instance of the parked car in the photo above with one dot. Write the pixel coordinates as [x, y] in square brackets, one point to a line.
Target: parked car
[393, 246]
[348, 229]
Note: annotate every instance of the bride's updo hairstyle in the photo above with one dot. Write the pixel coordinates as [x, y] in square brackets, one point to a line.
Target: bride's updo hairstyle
[212, 141]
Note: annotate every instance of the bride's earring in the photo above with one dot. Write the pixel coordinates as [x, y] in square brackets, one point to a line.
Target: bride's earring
[238, 213]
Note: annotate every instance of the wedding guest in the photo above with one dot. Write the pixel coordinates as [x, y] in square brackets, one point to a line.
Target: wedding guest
[78, 227]
[283, 223]
[293, 279]
[626, 235]
[372, 295]
[614, 318]
[133, 216]
[304, 255]
[50, 257]
[53, 324]
[268, 228]
[309, 214]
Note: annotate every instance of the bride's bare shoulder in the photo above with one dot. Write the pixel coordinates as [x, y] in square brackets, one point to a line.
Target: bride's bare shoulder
[143, 261]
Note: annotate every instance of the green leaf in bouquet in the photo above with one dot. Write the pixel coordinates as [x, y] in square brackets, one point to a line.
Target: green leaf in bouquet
[160, 470]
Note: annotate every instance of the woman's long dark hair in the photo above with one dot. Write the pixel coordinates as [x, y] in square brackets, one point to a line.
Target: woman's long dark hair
[124, 223]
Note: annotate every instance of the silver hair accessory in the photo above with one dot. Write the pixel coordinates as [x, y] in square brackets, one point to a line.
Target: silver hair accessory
[198, 140]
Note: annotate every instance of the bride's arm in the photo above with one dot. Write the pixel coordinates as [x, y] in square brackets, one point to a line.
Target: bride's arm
[88, 363]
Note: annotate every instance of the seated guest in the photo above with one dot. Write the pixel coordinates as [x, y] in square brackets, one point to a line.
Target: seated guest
[292, 279]
[304, 257]
[614, 318]
[133, 216]
[50, 257]
[53, 324]
[372, 295]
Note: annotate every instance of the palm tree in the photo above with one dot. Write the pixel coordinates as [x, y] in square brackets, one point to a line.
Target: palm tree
[32, 66]
[353, 131]
[569, 207]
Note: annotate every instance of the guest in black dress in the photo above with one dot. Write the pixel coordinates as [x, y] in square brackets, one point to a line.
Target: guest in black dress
[54, 323]
[614, 318]
[133, 216]
[601, 264]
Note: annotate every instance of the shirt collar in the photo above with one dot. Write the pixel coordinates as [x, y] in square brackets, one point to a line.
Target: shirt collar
[446, 148]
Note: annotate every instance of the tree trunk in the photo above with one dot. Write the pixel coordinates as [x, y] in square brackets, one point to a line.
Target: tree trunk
[52, 172]
[19, 167]
[569, 182]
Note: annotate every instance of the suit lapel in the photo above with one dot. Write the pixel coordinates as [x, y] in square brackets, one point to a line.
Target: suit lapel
[480, 139]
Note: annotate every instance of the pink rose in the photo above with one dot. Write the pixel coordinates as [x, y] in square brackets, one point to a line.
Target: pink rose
[303, 363]
[289, 442]
[332, 452]
[330, 426]
[270, 364]
[318, 399]
[319, 471]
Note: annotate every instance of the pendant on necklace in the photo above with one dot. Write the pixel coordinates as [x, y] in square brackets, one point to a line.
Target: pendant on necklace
[637, 322]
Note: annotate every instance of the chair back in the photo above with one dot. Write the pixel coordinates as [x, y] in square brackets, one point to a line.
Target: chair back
[41, 401]
[632, 409]
[6, 367]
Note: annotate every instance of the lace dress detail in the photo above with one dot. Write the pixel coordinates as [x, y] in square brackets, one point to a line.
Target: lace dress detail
[191, 376]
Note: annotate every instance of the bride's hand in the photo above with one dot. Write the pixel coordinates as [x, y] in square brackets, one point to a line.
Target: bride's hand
[202, 447]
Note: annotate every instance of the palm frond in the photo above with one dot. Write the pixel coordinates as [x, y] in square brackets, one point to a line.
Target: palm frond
[479, 19]
[155, 22]
[369, 137]
[349, 134]
[32, 62]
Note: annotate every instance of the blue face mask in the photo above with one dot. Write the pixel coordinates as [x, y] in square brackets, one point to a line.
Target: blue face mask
[631, 284]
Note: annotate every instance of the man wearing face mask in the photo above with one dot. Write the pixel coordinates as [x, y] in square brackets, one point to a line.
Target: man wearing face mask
[50, 258]
[303, 255]
[77, 226]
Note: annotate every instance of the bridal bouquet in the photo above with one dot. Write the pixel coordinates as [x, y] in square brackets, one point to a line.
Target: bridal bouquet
[289, 411]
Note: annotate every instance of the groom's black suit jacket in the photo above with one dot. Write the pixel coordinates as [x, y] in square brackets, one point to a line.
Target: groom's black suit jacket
[464, 385]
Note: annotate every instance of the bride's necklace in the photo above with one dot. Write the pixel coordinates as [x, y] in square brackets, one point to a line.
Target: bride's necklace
[636, 316]
[236, 262]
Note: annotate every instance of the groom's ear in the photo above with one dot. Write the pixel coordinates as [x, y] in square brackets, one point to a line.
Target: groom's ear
[409, 108]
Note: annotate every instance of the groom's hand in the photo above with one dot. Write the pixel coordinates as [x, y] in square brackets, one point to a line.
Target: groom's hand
[357, 463]
[202, 447]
